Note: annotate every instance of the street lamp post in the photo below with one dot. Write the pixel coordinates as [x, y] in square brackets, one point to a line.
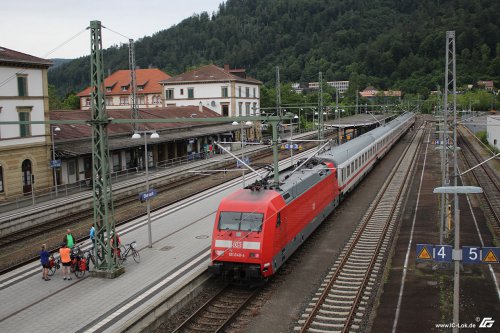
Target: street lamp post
[52, 130]
[154, 135]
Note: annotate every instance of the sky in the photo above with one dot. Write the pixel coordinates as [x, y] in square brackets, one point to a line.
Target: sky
[57, 28]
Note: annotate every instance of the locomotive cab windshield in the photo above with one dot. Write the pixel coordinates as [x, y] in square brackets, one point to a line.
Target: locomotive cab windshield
[241, 221]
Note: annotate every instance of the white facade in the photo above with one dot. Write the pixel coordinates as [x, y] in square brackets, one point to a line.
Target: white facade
[493, 131]
[24, 148]
[11, 104]
[226, 98]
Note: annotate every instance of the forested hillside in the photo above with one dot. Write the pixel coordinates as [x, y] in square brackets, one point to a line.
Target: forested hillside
[385, 43]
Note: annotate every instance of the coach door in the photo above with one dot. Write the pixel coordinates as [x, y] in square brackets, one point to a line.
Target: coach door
[26, 175]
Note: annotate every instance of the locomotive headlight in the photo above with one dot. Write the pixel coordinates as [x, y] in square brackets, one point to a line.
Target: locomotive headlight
[254, 255]
[219, 252]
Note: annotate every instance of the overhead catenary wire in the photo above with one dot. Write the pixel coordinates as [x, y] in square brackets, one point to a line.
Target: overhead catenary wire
[4, 82]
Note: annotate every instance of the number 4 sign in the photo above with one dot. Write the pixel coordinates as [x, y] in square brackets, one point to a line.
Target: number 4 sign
[443, 253]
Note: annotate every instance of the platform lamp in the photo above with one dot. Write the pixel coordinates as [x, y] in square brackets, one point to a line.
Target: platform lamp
[154, 135]
[52, 130]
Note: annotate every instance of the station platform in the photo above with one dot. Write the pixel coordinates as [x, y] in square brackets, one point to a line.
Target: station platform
[180, 255]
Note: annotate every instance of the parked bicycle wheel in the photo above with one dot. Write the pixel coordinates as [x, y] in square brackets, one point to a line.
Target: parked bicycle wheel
[79, 273]
[54, 265]
[136, 255]
[121, 254]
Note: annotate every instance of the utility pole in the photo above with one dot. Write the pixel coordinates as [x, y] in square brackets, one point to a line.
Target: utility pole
[278, 92]
[133, 83]
[357, 96]
[451, 88]
[106, 264]
[320, 109]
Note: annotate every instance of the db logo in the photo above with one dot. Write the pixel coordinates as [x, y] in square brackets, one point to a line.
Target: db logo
[237, 245]
[487, 322]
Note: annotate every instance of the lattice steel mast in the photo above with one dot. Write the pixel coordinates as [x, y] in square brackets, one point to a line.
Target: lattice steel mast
[106, 264]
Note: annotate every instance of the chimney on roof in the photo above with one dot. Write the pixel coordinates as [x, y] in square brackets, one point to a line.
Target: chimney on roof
[226, 68]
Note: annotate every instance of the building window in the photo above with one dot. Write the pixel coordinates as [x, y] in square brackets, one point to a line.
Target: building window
[124, 100]
[239, 91]
[182, 91]
[169, 94]
[254, 92]
[87, 101]
[247, 108]
[190, 92]
[109, 100]
[141, 87]
[125, 88]
[1, 179]
[156, 99]
[24, 115]
[224, 92]
[22, 85]
[247, 92]
[140, 100]
[240, 108]
[108, 89]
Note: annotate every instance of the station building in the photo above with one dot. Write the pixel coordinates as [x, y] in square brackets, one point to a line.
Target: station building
[178, 142]
[24, 148]
[119, 90]
[229, 92]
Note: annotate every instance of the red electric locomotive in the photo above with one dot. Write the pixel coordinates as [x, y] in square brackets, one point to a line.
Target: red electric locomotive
[258, 228]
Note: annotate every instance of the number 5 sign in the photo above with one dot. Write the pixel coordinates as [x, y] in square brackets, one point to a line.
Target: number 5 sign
[471, 255]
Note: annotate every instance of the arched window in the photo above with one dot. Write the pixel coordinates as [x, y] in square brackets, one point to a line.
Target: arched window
[27, 176]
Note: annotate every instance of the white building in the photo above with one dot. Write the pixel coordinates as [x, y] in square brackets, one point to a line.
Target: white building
[24, 148]
[493, 131]
[340, 86]
[229, 92]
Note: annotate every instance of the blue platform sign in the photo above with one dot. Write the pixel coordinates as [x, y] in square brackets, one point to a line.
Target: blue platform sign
[425, 252]
[471, 255]
[443, 253]
[143, 196]
[55, 163]
[490, 255]
[245, 159]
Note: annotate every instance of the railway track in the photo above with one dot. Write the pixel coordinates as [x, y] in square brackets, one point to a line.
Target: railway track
[126, 209]
[218, 312]
[487, 180]
[343, 300]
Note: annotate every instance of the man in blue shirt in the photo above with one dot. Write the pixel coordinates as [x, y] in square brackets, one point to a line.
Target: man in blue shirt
[92, 235]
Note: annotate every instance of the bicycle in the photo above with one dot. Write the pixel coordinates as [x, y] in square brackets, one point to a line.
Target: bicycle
[124, 251]
[78, 262]
[54, 264]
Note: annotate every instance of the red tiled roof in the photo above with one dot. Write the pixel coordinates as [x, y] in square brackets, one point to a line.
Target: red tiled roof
[209, 73]
[80, 131]
[149, 78]
[13, 57]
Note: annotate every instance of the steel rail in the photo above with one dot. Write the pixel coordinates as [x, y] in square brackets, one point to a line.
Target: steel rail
[360, 231]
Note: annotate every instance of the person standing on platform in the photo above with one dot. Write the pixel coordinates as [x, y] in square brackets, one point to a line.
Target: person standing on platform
[69, 239]
[65, 254]
[44, 259]
[92, 235]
